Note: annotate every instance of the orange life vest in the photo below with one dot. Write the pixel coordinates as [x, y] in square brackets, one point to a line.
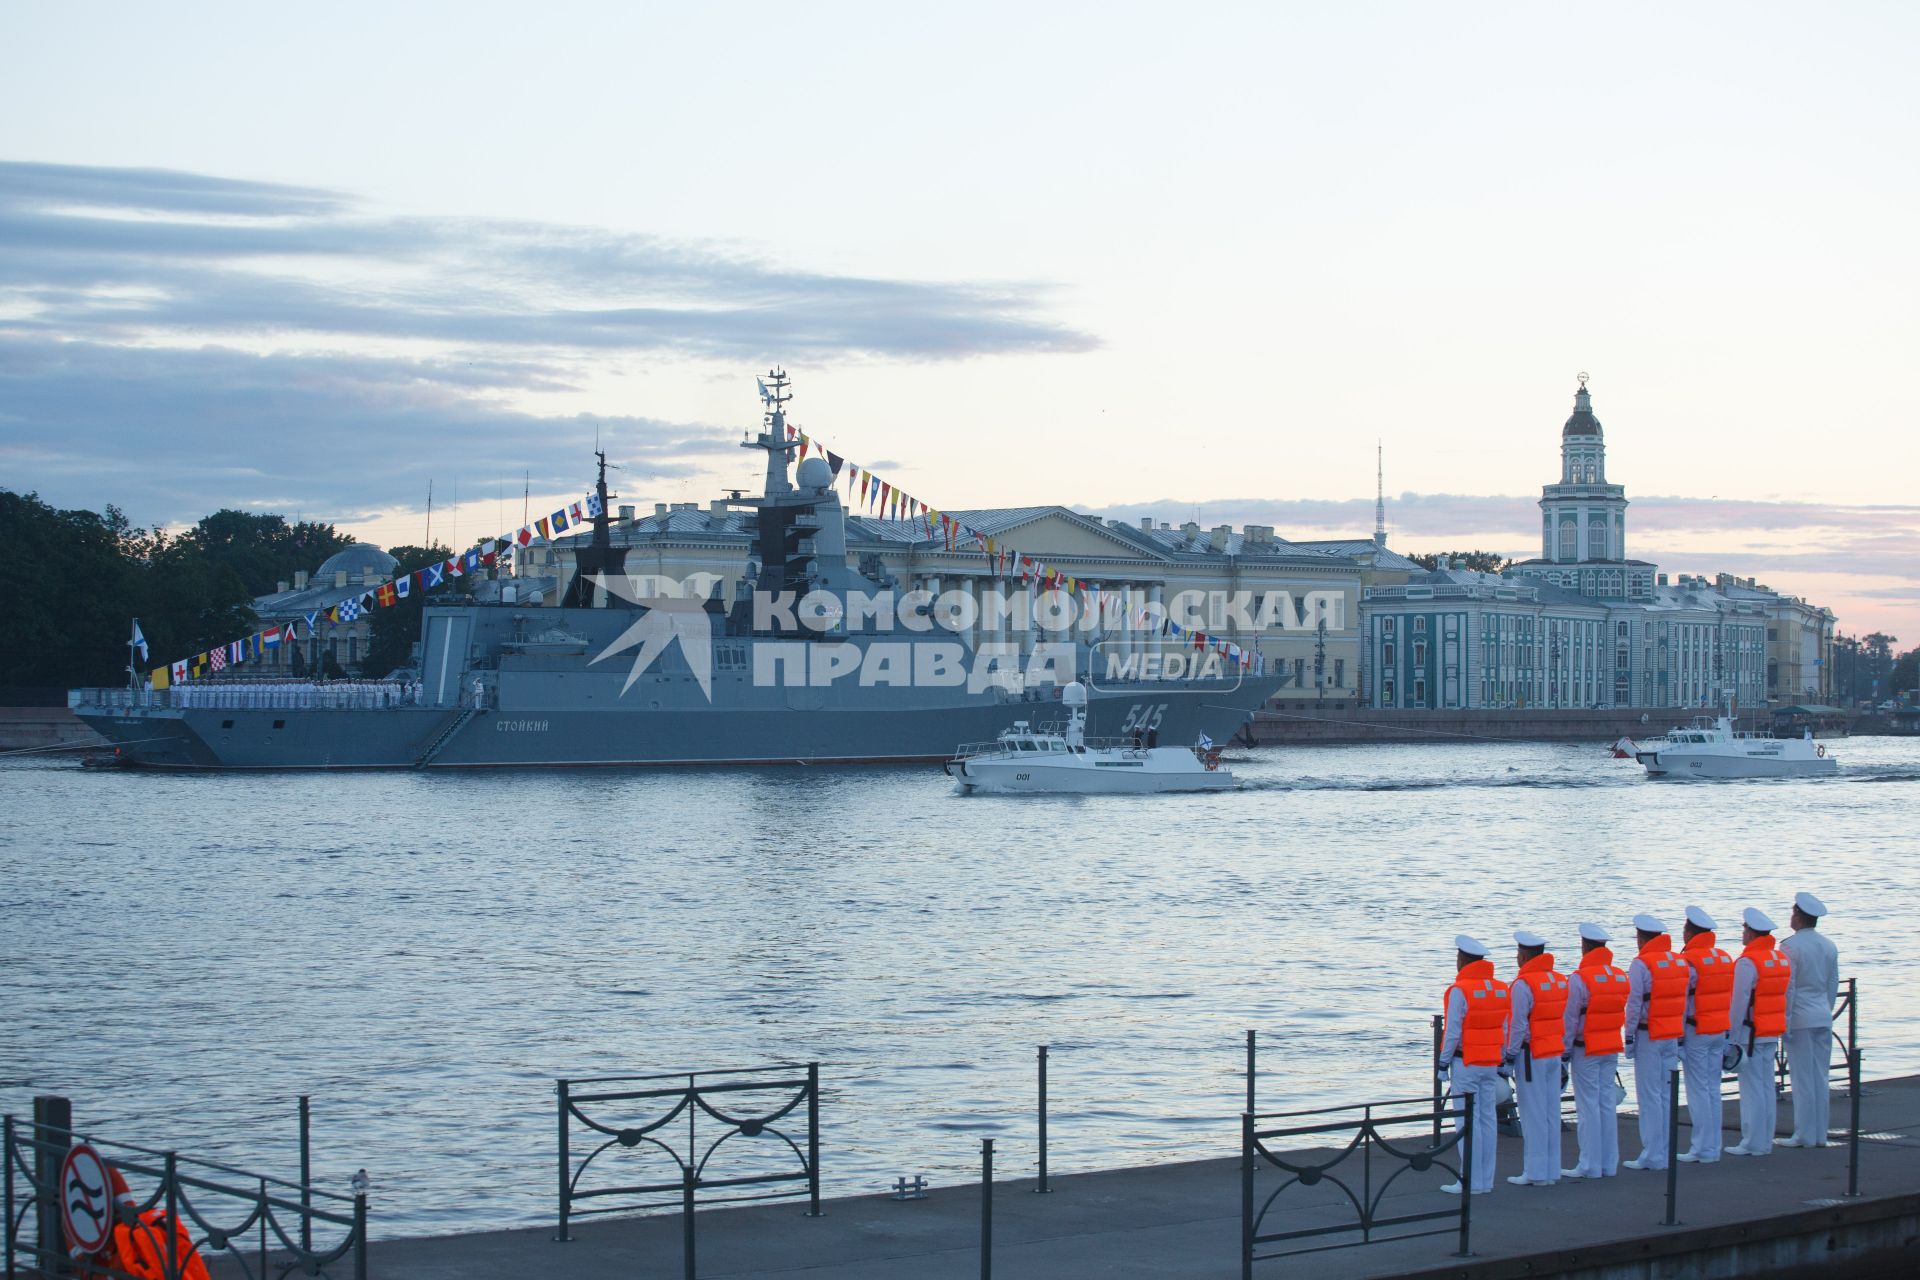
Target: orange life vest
[1606, 1003]
[1666, 1013]
[1547, 1020]
[1483, 1032]
[140, 1249]
[1772, 971]
[1712, 985]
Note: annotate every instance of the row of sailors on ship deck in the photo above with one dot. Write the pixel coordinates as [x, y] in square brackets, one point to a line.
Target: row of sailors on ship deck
[1698, 1011]
[296, 695]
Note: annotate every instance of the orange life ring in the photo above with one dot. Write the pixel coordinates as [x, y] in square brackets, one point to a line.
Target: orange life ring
[1212, 759]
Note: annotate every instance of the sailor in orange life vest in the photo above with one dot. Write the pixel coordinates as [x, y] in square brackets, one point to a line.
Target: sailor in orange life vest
[1470, 1051]
[1760, 978]
[1656, 1015]
[1596, 1011]
[1810, 998]
[1703, 1049]
[1537, 1031]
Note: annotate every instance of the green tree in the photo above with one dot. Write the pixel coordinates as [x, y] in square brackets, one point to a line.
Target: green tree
[263, 549]
[75, 580]
[1906, 674]
[1478, 561]
[392, 632]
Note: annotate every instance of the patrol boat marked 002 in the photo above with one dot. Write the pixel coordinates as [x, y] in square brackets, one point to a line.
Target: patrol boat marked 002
[606, 678]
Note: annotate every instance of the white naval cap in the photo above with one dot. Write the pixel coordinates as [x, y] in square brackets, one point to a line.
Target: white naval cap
[1648, 924]
[1469, 945]
[1810, 904]
[1755, 918]
[1593, 932]
[1528, 938]
[1699, 919]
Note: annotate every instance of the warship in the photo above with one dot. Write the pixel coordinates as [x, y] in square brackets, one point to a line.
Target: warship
[607, 677]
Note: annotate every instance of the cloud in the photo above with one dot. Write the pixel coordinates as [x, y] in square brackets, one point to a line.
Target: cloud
[170, 434]
[175, 342]
[125, 254]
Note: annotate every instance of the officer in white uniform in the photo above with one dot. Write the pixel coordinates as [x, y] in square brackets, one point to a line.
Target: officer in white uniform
[1536, 1085]
[1702, 1063]
[1759, 1105]
[1815, 985]
[1653, 1060]
[1596, 1091]
[1482, 1082]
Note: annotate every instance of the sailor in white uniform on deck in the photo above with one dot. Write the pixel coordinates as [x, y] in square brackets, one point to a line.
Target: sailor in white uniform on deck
[1759, 1017]
[1596, 1012]
[1656, 1016]
[1814, 986]
[1536, 1037]
[1470, 1050]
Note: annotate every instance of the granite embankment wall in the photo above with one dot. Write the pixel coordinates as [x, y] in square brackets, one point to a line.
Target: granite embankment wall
[1293, 722]
[22, 728]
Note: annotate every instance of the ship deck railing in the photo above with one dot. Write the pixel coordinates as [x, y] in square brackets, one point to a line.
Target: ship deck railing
[264, 695]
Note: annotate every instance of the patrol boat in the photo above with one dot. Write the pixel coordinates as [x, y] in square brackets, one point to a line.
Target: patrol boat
[1063, 760]
[606, 678]
[1710, 748]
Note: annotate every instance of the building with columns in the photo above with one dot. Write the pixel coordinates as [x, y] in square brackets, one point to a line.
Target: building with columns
[1123, 567]
[1582, 625]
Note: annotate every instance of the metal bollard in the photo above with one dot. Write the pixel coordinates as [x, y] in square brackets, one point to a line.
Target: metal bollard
[1673, 1149]
[986, 1209]
[1043, 1188]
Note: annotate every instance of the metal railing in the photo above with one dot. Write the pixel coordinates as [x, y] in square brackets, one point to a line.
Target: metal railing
[178, 1211]
[1372, 1137]
[692, 1095]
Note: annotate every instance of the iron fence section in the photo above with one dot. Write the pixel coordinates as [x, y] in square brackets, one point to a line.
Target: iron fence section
[261, 1226]
[692, 1095]
[1372, 1138]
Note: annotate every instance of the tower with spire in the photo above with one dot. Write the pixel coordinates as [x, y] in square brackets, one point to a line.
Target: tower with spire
[1379, 496]
[1583, 518]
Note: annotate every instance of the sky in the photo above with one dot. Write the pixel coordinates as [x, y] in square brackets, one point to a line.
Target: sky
[1190, 261]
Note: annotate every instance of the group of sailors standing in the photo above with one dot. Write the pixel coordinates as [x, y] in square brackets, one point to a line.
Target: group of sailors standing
[1697, 1010]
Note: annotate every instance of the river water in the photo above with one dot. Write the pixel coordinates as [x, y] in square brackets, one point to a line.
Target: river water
[426, 953]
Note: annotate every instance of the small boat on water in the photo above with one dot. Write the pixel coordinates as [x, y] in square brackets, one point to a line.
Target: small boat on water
[1710, 748]
[1042, 759]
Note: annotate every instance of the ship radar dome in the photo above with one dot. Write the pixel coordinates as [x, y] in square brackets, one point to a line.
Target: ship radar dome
[1074, 695]
[362, 560]
[814, 473]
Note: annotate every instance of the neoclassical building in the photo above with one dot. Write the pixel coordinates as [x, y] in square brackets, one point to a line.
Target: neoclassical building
[1583, 625]
[1122, 568]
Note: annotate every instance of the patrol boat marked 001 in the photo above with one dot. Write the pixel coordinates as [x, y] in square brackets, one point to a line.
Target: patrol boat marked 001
[606, 678]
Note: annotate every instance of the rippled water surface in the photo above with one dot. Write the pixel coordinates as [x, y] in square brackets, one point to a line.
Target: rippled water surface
[425, 953]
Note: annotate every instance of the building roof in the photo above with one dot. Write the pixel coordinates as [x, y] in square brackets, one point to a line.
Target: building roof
[1582, 423]
[1364, 550]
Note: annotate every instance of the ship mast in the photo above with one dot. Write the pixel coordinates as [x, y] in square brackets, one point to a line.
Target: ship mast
[774, 395]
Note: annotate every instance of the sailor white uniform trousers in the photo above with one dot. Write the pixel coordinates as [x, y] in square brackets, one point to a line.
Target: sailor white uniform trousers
[1539, 1102]
[1595, 1100]
[1653, 1061]
[1809, 1058]
[1484, 1083]
[1702, 1057]
[1759, 1104]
